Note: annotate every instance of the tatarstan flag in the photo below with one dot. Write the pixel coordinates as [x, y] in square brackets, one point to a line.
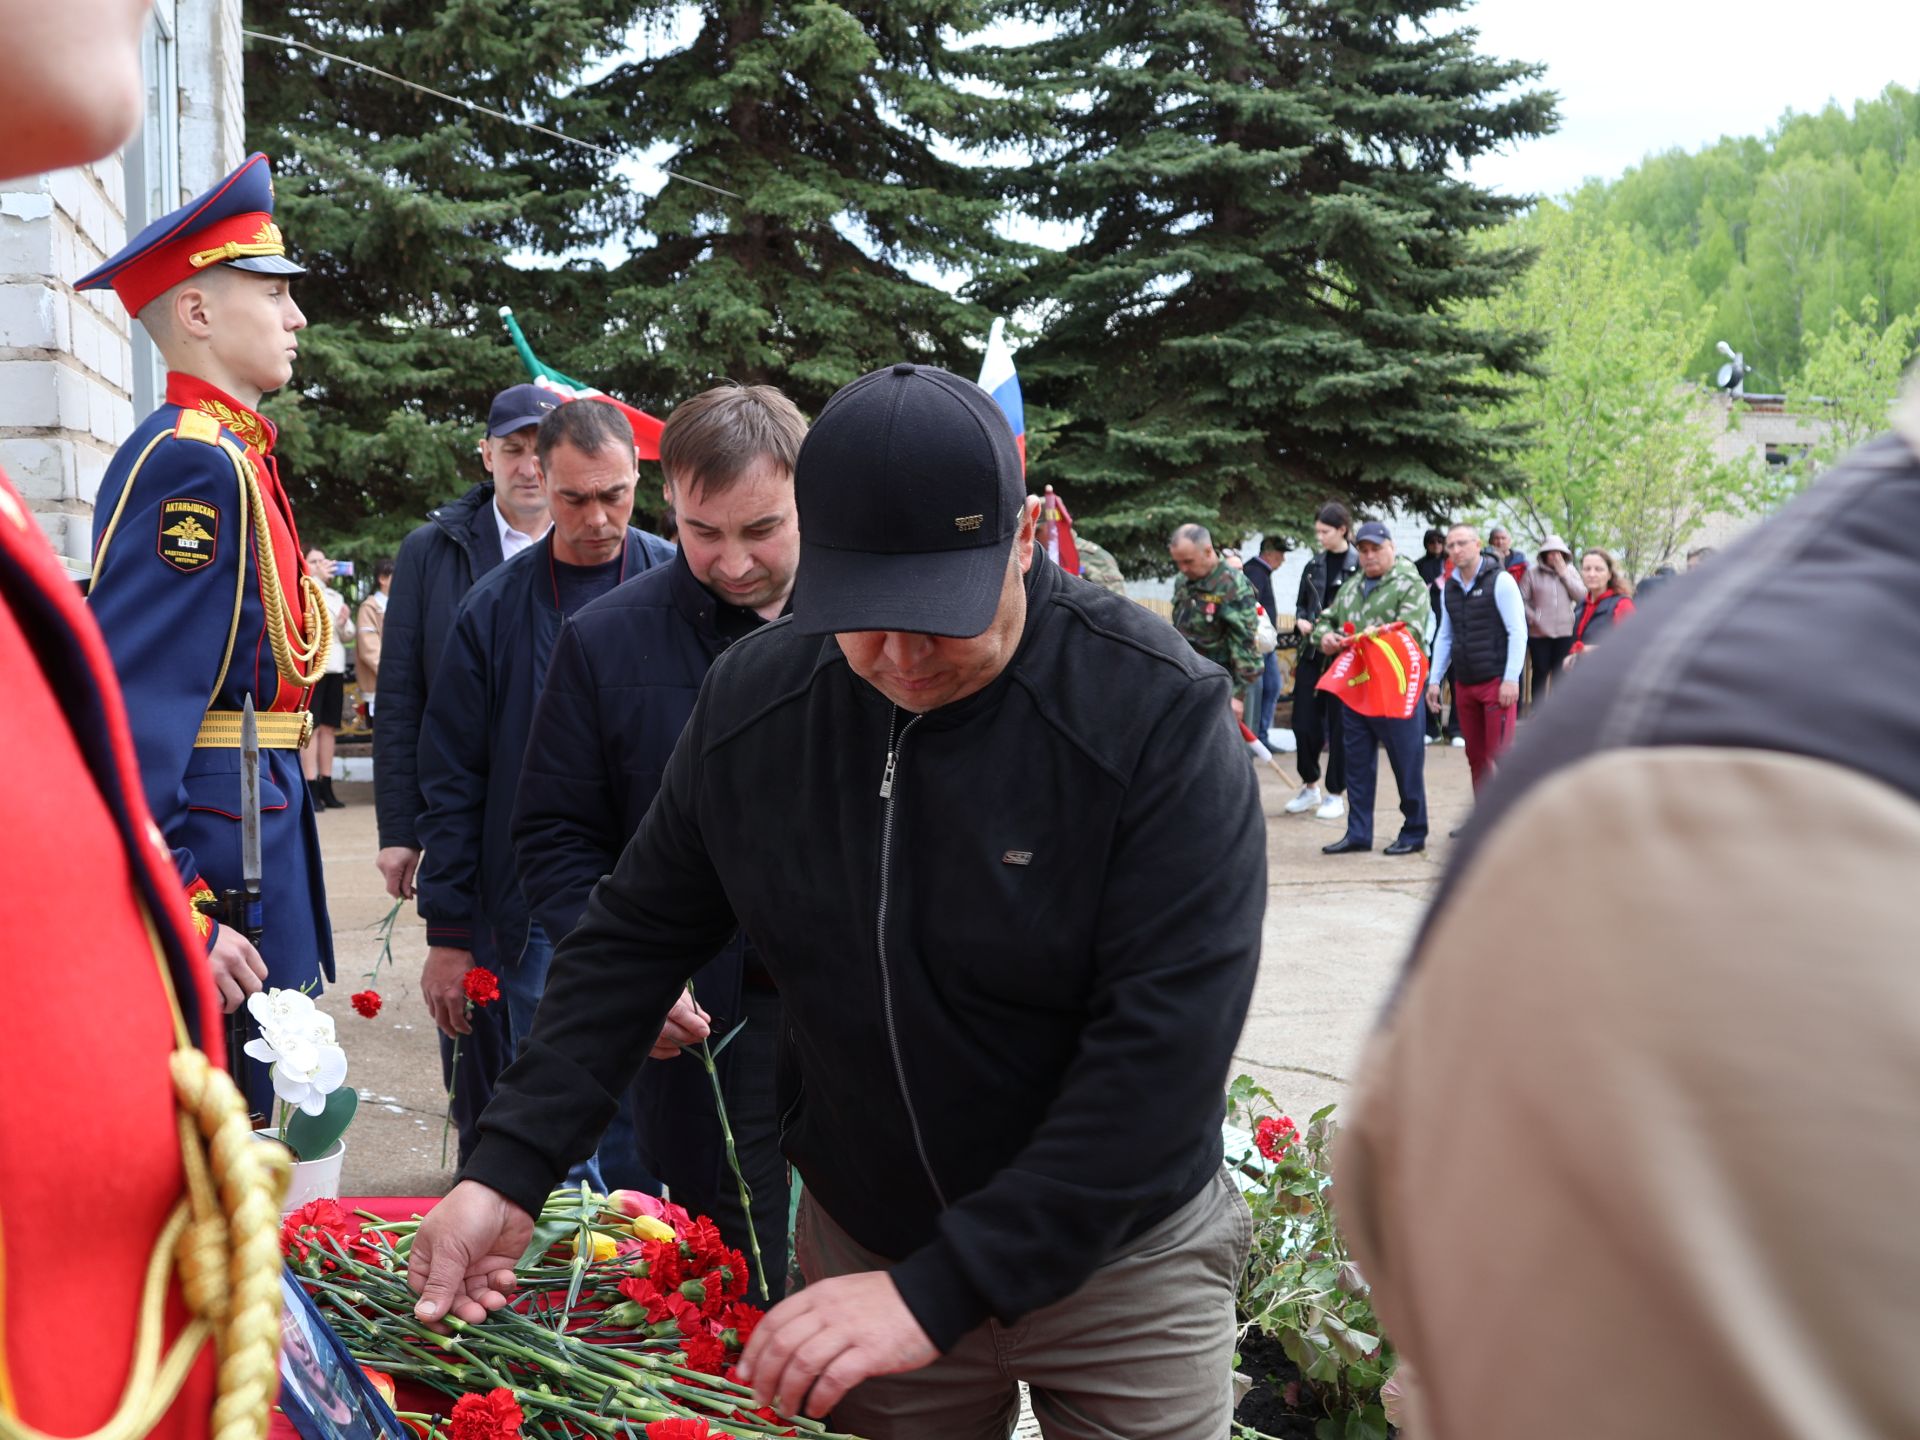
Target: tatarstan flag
[646, 429]
[1381, 673]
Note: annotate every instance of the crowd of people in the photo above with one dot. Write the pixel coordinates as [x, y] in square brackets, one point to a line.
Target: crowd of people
[1495, 626]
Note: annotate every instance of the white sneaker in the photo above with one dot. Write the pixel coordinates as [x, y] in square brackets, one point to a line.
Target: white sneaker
[1426, 739]
[1307, 799]
[1334, 809]
[1459, 742]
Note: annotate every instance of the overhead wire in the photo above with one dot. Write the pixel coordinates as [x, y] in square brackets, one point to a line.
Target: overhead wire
[473, 105]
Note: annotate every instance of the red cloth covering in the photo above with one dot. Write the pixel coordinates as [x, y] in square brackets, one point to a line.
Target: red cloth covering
[89, 1153]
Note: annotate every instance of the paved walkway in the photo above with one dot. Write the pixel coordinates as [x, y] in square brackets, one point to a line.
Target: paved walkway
[1336, 931]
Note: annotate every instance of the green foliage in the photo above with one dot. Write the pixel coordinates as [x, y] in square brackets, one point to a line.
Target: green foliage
[312, 1136]
[1263, 305]
[835, 128]
[1853, 375]
[1620, 448]
[406, 211]
[1780, 237]
[1300, 1286]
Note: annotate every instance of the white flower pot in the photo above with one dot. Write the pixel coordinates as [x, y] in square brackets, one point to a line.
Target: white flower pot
[312, 1179]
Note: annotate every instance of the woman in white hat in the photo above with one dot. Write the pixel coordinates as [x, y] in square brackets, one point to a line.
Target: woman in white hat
[1553, 592]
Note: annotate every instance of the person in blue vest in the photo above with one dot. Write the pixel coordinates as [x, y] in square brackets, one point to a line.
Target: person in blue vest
[199, 584]
[473, 734]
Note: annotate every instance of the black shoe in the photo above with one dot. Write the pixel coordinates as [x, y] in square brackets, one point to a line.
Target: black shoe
[1404, 846]
[327, 797]
[1344, 845]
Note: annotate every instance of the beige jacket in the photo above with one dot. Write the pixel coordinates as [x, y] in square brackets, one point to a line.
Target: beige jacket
[1659, 1177]
[1552, 600]
[366, 642]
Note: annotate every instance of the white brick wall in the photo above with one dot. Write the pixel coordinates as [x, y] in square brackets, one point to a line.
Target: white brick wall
[66, 368]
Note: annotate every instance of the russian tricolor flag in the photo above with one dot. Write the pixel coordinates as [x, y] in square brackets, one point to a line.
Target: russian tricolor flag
[998, 379]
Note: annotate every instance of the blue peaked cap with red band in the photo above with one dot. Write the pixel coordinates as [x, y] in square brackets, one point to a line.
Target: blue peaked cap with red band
[232, 224]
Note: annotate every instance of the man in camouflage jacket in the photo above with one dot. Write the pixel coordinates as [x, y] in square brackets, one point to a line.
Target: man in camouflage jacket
[1214, 609]
[1387, 589]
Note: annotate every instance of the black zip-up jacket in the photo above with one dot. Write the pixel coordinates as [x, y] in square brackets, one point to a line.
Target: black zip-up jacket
[438, 563]
[1014, 938]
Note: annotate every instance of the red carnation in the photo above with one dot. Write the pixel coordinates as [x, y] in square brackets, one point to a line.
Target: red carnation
[493, 1416]
[1273, 1136]
[704, 1353]
[737, 1324]
[367, 1002]
[678, 1428]
[664, 1265]
[704, 1239]
[483, 986]
[322, 1226]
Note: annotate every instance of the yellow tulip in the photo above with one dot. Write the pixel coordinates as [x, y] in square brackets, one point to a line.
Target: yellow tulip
[649, 1228]
[604, 1247]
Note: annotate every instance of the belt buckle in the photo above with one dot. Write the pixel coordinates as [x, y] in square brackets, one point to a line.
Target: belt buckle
[306, 729]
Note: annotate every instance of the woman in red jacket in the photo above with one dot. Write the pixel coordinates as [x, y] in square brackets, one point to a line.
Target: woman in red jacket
[1609, 600]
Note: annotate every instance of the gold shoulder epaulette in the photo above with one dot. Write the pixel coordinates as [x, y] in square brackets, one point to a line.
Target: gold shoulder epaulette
[195, 425]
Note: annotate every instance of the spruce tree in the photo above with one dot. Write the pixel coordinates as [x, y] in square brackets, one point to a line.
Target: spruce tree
[419, 218]
[1262, 308]
[839, 133]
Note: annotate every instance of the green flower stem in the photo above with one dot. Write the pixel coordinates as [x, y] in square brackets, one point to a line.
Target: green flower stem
[733, 1163]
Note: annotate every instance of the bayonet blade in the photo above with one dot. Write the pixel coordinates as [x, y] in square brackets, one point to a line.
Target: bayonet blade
[249, 799]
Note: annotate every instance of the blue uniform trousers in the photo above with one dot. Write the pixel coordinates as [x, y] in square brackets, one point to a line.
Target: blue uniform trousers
[1363, 736]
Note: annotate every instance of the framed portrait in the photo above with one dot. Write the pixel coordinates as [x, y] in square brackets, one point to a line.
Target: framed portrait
[323, 1390]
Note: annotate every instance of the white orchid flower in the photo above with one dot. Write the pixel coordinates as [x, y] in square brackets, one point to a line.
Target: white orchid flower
[297, 1040]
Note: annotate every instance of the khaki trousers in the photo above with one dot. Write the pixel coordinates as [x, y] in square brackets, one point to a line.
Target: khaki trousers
[1143, 1349]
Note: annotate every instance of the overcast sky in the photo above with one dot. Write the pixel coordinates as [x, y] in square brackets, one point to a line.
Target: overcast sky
[1642, 76]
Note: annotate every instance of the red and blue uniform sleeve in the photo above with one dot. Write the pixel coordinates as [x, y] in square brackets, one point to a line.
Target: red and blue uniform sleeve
[169, 567]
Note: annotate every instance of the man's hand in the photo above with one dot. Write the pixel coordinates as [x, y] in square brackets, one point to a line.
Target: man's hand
[464, 1252]
[1433, 698]
[238, 970]
[443, 986]
[1509, 693]
[687, 1024]
[816, 1346]
[397, 864]
[1305, 627]
[1329, 644]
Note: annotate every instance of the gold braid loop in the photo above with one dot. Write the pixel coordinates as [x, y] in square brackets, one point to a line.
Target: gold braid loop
[224, 1159]
[304, 665]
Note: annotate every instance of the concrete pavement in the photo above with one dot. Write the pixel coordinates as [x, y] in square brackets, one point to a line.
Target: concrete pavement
[1337, 928]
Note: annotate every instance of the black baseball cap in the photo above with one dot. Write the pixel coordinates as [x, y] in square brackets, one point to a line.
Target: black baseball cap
[517, 407]
[1374, 533]
[910, 491]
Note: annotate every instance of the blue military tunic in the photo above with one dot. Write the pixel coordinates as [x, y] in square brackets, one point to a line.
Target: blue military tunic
[201, 590]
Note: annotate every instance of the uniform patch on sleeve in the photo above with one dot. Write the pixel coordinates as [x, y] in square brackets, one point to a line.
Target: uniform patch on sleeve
[189, 534]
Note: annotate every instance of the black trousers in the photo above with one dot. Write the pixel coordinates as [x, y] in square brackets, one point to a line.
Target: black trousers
[1547, 652]
[1366, 737]
[1317, 726]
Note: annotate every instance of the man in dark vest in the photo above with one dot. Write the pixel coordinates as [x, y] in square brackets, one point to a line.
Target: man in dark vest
[1483, 639]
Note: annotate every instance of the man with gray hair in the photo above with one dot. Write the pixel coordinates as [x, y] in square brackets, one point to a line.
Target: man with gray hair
[1214, 611]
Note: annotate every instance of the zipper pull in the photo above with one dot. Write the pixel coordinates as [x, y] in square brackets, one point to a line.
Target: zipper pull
[886, 778]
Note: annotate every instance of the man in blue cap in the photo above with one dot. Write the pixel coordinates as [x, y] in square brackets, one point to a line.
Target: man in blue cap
[199, 584]
[459, 543]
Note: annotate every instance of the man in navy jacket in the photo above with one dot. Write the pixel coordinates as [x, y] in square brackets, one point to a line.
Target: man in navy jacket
[624, 677]
[481, 706]
[461, 542]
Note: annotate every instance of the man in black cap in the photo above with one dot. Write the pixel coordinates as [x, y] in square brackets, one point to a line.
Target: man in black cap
[936, 796]
[439, 562]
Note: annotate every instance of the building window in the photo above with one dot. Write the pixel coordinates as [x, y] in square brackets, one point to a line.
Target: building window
[152, 166]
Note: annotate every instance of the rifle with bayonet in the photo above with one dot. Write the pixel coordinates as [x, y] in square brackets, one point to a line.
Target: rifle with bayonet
[241, 909]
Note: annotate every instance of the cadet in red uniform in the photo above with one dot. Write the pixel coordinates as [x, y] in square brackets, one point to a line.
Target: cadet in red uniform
[199, 581]
[102, 977]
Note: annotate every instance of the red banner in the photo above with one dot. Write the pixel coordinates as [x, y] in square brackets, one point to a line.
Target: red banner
[1379, 673]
